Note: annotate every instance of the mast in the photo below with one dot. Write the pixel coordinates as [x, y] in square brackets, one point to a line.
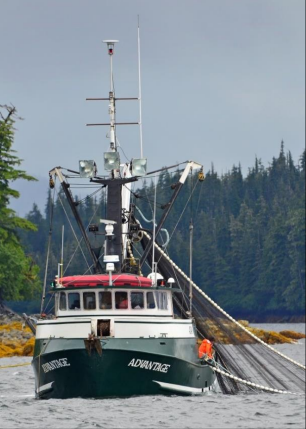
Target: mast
[114, 185]
[111, 110]
[118, 196]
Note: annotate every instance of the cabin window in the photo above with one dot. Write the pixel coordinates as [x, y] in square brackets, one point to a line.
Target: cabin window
[62, 301]
[137, 301]
[74, 301]
[89, 300]
[105, 300]
[150, 300]
[121, 299]
[162, 300]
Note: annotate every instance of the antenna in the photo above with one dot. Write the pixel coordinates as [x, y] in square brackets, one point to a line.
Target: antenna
[62, 256]
[111, 110]
[190, 244]
[110, 48]
[139, 94]
[154, 265]
[190, 267]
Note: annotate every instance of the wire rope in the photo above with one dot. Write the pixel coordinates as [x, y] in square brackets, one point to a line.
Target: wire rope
[75, 236]
[51, 209]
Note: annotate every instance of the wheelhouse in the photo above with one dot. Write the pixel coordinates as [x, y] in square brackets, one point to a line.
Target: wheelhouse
[133, 295]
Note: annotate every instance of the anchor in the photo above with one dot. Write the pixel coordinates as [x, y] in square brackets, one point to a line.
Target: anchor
[93, 343]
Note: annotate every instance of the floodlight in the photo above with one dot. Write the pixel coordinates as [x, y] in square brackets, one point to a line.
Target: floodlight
[139, 167]
[111, 161]
[87, 168]
[93, 228]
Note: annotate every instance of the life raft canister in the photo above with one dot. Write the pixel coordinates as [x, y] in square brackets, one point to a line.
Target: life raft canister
[103, 280]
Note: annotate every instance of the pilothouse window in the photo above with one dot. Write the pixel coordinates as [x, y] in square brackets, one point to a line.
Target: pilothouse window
[150, 300]
[137, 301]
[89, 300]
[162, 300]
[121, 299]
[105, 300]
[74, 301]
[62, 301]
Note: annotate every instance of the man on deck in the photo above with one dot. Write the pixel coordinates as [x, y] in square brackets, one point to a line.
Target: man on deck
[206, 348]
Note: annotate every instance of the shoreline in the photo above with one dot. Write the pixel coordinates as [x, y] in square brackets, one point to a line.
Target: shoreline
[271, 319]
[16, 339]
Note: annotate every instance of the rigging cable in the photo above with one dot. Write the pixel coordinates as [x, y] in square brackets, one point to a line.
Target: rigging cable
[80, 241]
[90, 195]
[75, 236]
[51, 209]
[181, 214]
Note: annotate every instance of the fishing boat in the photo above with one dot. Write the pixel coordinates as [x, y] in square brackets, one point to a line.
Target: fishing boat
[115, 331]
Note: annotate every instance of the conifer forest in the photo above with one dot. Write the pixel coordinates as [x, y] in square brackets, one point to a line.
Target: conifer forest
[248, 233]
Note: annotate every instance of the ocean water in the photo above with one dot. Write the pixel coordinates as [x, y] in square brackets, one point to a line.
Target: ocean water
[19, 408]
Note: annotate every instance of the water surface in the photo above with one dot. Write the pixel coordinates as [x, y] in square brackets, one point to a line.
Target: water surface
[19, 409]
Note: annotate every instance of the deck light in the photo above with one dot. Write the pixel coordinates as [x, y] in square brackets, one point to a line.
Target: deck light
[170, 281]
[93, 228]
[87, 168]
[139, 167]
[111, 161]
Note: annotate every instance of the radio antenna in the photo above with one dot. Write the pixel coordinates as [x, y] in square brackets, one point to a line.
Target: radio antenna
[139, 94]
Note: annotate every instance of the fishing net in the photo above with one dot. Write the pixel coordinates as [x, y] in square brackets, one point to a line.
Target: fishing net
[244, 362]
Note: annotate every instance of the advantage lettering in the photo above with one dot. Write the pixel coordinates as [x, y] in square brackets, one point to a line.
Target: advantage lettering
[55, 364]
[152, 366]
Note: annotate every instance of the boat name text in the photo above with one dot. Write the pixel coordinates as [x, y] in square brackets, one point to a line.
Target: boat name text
[146, 364]
[55, 364]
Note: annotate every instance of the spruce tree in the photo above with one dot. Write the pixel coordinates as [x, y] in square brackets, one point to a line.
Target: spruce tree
[18, 273]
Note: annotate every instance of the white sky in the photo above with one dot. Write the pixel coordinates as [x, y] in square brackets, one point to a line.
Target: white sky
[222, 80]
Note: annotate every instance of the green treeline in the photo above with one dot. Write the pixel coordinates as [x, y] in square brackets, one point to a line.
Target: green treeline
[248, 244]
[18, 272]
[249, 234]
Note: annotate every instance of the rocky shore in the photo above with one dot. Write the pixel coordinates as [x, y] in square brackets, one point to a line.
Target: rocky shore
[16, 338]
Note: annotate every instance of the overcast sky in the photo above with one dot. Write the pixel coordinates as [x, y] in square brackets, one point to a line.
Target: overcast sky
[223, 81]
